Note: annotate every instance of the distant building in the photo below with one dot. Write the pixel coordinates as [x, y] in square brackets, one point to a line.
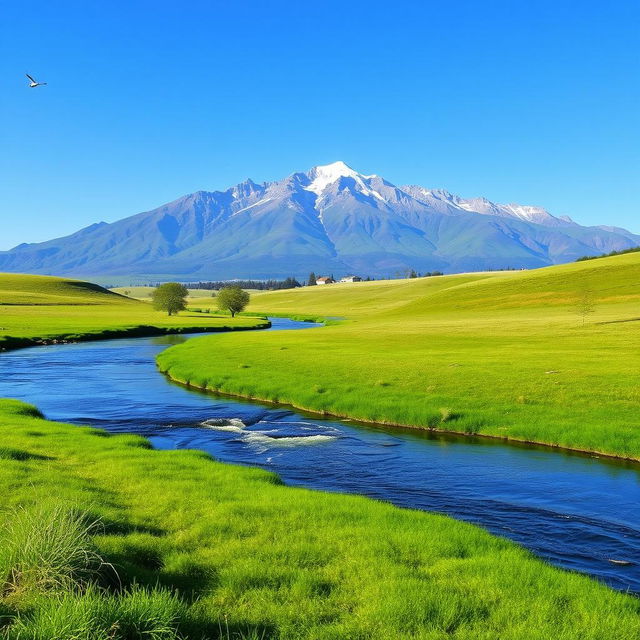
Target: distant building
[351, 279]
[324, 280]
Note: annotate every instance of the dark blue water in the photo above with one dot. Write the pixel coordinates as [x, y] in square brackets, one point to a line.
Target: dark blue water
[575, 511]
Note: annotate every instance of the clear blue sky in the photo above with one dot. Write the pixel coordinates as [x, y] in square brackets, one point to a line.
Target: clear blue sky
[534, 102]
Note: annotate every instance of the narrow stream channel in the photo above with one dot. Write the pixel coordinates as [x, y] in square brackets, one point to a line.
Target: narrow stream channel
[575, 511]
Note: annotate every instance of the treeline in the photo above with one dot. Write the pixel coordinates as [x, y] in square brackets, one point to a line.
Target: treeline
[609, 255]
[287, 283]
[262, 285]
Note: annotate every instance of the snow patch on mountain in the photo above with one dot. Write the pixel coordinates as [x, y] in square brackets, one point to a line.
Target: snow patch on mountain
[251, 206]
[526, 212]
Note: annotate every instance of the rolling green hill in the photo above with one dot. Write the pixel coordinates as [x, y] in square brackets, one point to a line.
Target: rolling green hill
[41, 309]
[503, 354]
[27, 289]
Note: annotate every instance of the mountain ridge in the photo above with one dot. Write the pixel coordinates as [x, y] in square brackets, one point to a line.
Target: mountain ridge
[331, 219]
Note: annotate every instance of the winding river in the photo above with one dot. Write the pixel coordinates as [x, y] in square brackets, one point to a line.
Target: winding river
[576, 511]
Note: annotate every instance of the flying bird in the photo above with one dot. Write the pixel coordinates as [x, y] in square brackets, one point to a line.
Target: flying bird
[33, 83]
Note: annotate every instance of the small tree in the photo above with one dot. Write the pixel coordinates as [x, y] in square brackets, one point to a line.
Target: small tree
[585, 305]
[232, 299]
[170, 297]
[312, 280]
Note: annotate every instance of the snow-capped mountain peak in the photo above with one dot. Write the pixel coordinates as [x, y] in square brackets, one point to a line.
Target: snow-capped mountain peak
[323, 176]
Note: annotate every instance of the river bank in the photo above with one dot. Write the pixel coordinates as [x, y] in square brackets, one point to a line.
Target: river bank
[9, 343]
[434, 430]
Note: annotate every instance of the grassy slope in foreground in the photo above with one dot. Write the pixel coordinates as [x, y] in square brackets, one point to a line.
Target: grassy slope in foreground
[36, 309]
[501, 354]
[243, 550]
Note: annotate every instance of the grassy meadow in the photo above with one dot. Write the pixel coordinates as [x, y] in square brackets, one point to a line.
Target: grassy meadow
[138, 543]
[504, 354]
[37, 309]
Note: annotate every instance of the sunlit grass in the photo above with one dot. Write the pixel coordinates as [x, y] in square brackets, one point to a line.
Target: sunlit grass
[209, 550]
[504, 354]
[97, 615]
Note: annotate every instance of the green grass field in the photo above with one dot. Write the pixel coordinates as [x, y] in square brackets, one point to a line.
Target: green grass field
[138, 543]
[502, 354]
[36, 309]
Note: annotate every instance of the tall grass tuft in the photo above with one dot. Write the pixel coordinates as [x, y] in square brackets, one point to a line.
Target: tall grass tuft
[50, 569]
[47, 548]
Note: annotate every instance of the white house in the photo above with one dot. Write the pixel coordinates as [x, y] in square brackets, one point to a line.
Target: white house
[351, 279]
[324, 280]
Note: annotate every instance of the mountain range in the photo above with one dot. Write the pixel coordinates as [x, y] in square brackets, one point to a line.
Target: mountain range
[331, 219]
